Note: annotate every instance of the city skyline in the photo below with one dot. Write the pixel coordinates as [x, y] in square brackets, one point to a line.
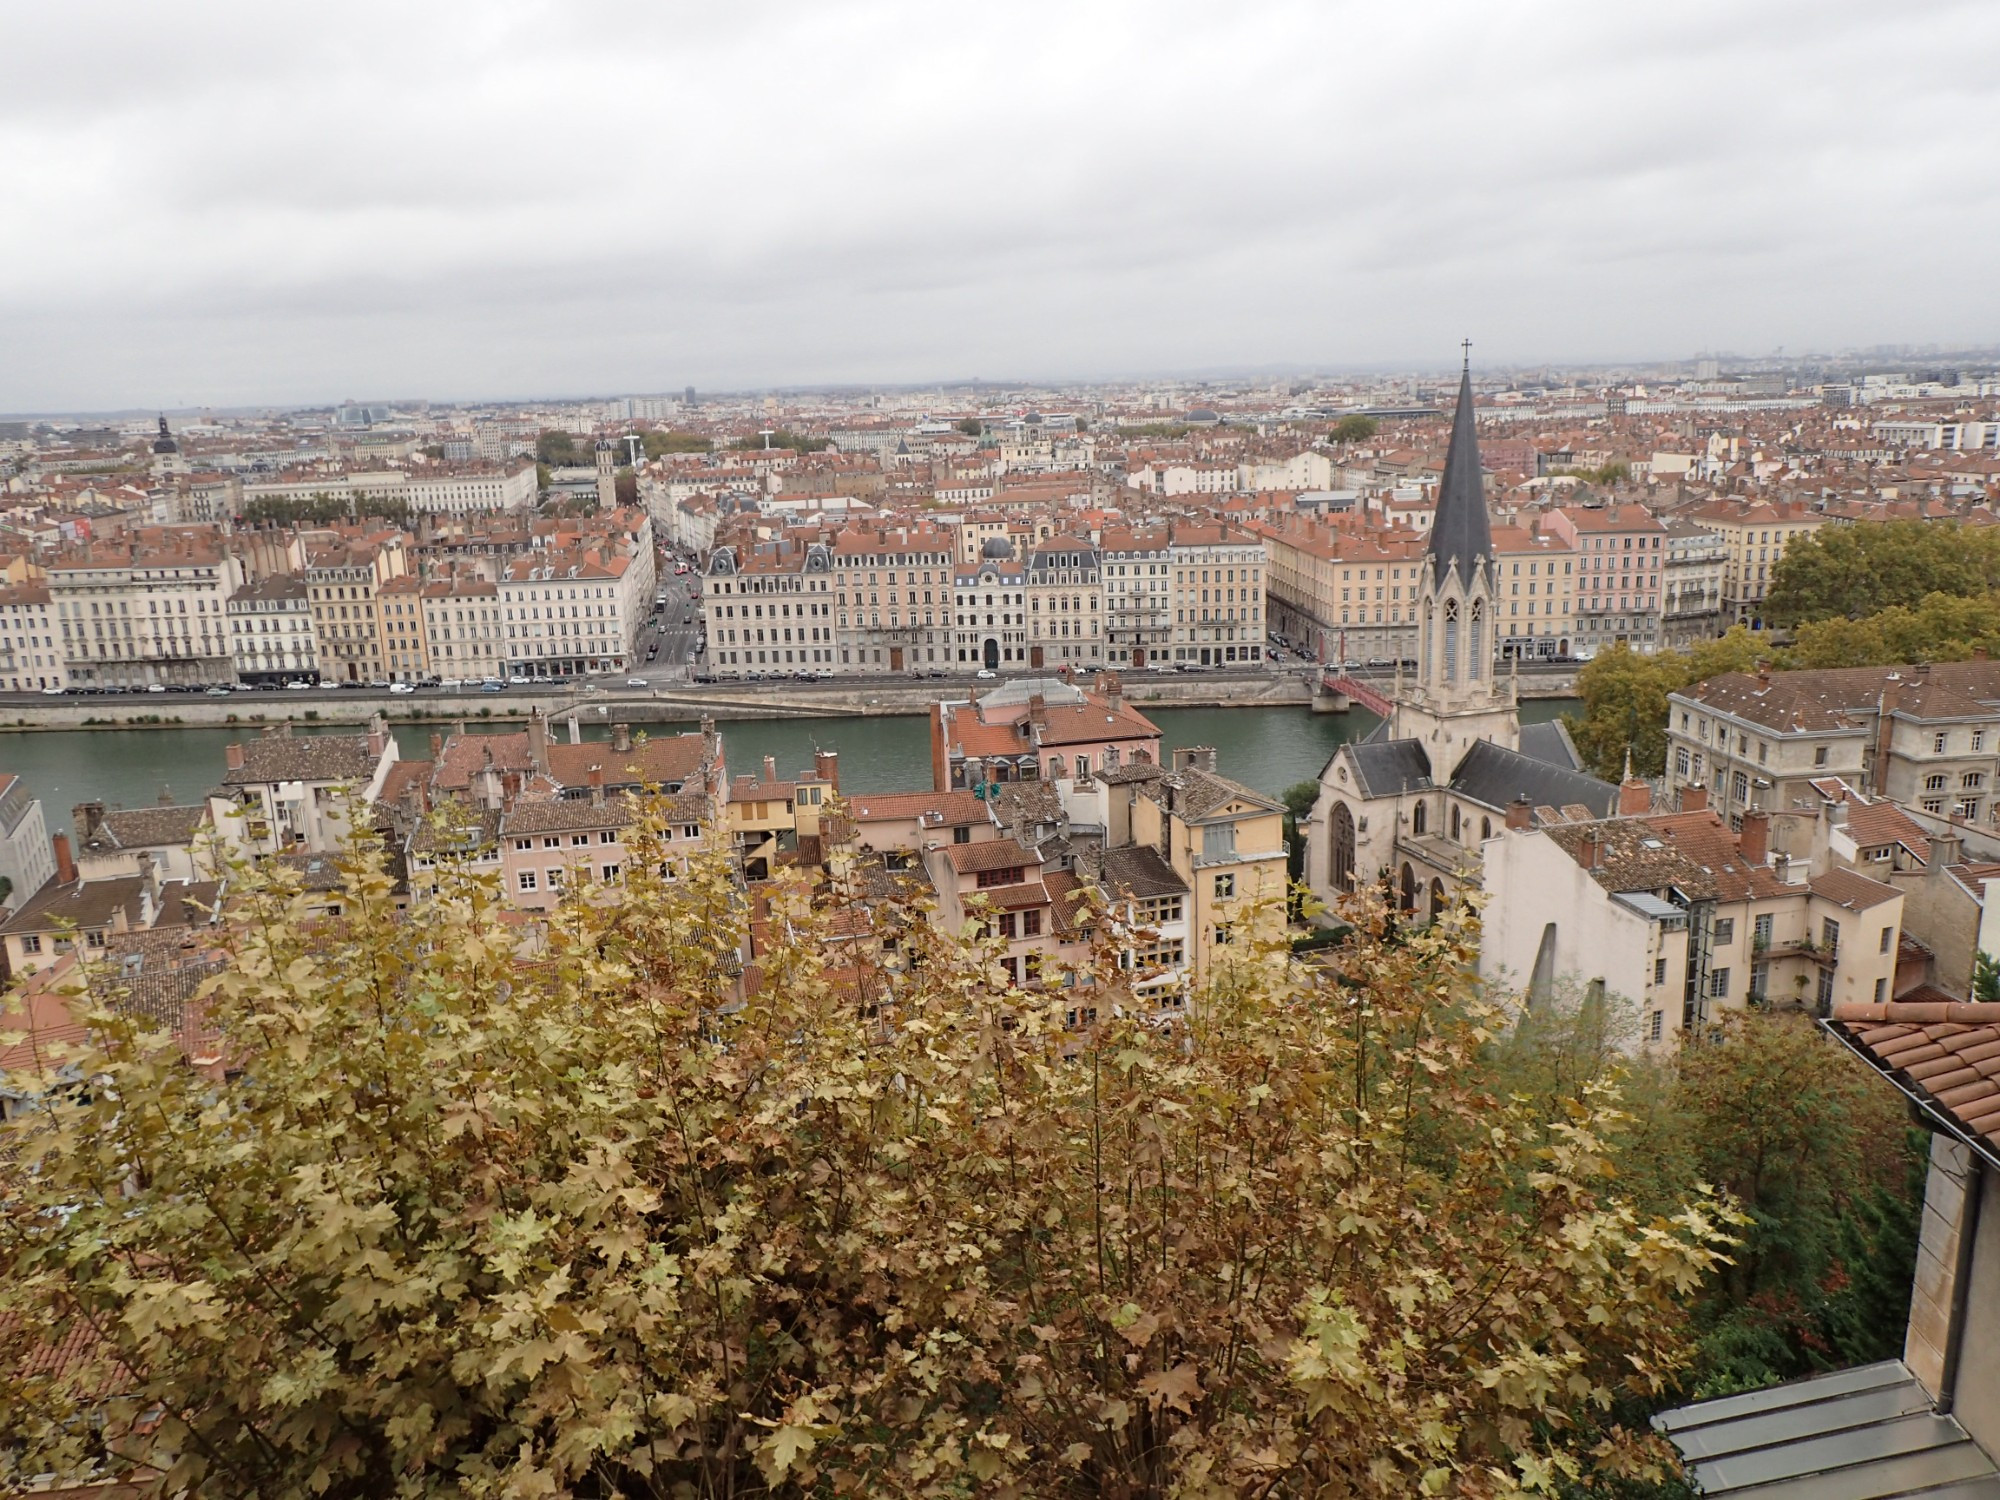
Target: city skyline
[487, 204]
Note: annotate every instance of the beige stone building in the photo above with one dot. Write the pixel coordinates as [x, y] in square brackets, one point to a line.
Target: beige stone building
[1754, 536]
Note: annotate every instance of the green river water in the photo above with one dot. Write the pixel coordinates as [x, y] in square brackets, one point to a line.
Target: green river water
[1265, 748]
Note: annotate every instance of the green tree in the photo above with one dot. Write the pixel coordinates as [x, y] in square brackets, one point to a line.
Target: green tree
[1354, 429]
[1624, 697]
[1862, 569]
[970, 426]
[626, 487]
[1298, 799]
[619, 1215]
[557, 449]
[782, 438]
[659, 443]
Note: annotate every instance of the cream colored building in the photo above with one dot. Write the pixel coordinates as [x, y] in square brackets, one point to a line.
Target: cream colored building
[1065, 604]
[1218, 597]
[1684, 917]
[463, 630]
[1755, 535]
[271, 637]
[149, 607]
[30, 659]
[344, 576]
[1534, 604]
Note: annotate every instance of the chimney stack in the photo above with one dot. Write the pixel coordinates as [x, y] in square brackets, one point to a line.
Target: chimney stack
[597, 785]
[538, 740]
[437, 747]
[232, 757]
[1520, 813]
[1112, 687]
[575, 730]
[1038, 711]
[65, 861]
[621, 738]
[826, 766]
[1754, 842]
[88, 817]
[1763, 674]
[770, 768]
[1947, 849]
[1694, 797]
[1634, 797]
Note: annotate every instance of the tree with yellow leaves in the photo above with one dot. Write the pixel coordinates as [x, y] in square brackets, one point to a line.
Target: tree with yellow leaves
[620, 1215]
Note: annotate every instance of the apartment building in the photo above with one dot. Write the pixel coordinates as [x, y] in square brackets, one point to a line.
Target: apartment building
[463, 630]
[1691, 584]
[990, 610]
[571, 614]
[271, 635]
[1138, 599]
[148, 607]
[27, 857]
[893, 594]
[459, 490]
[1226, 844]
[1218, 575]
[405, 642]
[1754, 535]
[1685, 916]
[1343, 594]
[1065, 604]
[1535, 588]
[282, 794]
[1620, 555]
[344, 577]
[769, 609]
[29, 656]
[1927, 736]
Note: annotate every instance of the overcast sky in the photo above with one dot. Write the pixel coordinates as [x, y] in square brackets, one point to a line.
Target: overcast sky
[218, 203]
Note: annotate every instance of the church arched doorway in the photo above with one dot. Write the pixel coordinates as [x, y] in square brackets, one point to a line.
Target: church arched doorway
[1437, 899]
[1341, 824]
[1408, 894]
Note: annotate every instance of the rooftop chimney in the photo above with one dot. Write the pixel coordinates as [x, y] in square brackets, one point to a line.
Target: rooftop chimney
[538, 741]
[1038, 711]
[621, 738]
[1520, 813]
[770, 768]
[232, 757]
[1112, 687]
[597, 785]
[1694, 797]
[65, 861]
[826, 766]
[1590, 852]
[1634, 797]
[1764, 673]
[1754, 842]
[88, 817]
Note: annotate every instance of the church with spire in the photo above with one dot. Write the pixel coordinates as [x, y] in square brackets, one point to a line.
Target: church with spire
[1410, 806]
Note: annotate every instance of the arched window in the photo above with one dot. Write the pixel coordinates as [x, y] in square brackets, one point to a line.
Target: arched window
[1474, 665]
[1407, 896]
[1485, 829]
[1419, 819]
[1451, 640]
[1342, 868]
[1437, 899]
[1454, 823]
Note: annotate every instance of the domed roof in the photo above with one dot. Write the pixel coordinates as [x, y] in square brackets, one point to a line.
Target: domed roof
[165, 443]
[997, 547]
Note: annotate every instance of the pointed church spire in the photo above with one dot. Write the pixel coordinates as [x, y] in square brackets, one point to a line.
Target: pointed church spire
[1460, 532]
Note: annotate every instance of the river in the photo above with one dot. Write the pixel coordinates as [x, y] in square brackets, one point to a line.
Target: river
[1267, 749]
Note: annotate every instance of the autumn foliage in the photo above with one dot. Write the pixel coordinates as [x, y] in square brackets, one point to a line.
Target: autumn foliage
[619, 1216]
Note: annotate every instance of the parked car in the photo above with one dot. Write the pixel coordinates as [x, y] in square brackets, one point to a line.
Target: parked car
[516, 679]
[52, 692]
[453, 683]
[986, 674]
[218, 692]
[492, 685]
[298, 687]
[156, 687]
[637, 682]
[402, 687]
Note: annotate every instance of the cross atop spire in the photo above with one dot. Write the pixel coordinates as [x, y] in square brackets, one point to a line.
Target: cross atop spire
[1466, 345]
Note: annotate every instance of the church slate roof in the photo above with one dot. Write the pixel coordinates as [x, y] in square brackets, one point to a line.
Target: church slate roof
[1461, 535]
[1383, 769]
[1494, 776]
[1550, 743]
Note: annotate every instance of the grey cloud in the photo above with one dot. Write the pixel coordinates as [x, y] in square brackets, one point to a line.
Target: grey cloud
[252, 203]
